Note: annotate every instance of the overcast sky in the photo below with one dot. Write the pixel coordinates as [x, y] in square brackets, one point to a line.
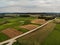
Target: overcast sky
[48, 4]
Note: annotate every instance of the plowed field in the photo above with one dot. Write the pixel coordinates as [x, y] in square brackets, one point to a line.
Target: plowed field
[29, 26]
[38, 21]
[11, 32]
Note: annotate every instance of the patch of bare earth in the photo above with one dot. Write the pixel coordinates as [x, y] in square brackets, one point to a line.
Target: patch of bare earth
[57, 20]
[29, 26]
[38, 21]
[11, 32]
[37, 37]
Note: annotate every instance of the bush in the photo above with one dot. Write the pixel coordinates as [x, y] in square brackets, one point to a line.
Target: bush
[46, 18]
[49, 18]
[41, 17]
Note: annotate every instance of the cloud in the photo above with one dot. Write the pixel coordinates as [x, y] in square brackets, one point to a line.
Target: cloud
[45, 4]
[27, 2]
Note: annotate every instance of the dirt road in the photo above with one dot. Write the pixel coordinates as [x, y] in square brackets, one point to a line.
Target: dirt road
[32, 36]
[37, 37]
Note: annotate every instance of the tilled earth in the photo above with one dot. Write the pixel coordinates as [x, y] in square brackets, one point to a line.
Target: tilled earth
[38, 21]
[29, 26]
[10, 32]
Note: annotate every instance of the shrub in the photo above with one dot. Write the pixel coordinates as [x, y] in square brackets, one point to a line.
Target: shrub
[46, 18]
[41, 17]
[49, 18]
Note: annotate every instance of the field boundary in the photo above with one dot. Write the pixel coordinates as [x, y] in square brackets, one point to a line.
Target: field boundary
[12, 40]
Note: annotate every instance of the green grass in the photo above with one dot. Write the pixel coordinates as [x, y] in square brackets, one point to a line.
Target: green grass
[15, 22]
[54, 37]
[3, 37]
[16, 43]
[21, 29]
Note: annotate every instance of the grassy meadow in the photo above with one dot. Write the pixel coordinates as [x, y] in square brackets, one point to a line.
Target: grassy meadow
[54, 37]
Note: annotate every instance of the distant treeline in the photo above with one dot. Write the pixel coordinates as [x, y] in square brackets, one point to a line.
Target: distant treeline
[47, 18]
[28, 14]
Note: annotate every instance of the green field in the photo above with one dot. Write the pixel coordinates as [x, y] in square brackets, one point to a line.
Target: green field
[36, 37]
[54, 37]
[3, 37]
[13, 23]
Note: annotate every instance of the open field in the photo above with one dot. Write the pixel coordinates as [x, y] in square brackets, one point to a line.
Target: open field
[14, 23]
[36, 37]
[54, 37]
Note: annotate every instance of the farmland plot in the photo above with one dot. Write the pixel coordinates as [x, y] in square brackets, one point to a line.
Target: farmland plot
[37, 37]
[11, 32]
[12, 27]
[14, 22]
[29, 26]
[38, 21]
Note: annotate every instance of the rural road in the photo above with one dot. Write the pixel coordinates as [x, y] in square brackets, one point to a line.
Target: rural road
[37, 37]
[11, 41]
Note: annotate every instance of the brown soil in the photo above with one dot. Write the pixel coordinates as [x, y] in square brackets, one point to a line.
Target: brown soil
[38, 21]
[11, 32]
[29, 26]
